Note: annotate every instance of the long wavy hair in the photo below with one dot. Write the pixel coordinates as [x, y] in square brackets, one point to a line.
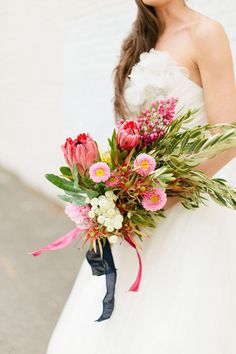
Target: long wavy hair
[142, 37]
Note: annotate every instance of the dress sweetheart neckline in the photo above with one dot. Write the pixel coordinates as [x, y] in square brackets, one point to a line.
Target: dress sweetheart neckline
[157, 51]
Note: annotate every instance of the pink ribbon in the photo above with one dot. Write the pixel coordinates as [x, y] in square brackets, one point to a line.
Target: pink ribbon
[65, 240]
[136, 284]
[60, 243]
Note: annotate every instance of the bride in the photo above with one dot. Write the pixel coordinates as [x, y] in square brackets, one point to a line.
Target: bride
[187, 300]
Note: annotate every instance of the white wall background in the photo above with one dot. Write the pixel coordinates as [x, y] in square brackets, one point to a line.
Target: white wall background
[56, 62]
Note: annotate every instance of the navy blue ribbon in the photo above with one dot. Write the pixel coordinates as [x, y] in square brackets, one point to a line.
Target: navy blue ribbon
[100, 266]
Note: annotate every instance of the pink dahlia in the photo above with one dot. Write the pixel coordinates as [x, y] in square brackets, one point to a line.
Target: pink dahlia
[81, 152]
[145, 164]
[78, 214]
[154, 200]
[128, 135]
[99, 172]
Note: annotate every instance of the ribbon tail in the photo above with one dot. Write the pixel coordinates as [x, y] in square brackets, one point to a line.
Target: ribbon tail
[100, 266]
[109, 299]
[136, 284]
[59, 243]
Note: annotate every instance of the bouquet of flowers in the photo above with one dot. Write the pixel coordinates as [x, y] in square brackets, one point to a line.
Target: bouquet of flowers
[116, 194]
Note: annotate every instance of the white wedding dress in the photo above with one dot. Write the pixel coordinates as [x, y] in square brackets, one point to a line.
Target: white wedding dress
[186, 303]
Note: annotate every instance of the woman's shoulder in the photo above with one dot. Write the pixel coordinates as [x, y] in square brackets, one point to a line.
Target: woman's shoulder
[207, 32]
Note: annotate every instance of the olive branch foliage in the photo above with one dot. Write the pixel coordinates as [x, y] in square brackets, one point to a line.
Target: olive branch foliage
[183, 149]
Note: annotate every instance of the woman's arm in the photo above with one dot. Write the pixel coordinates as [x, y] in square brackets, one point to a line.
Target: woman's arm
[214, 60]
[215, 63]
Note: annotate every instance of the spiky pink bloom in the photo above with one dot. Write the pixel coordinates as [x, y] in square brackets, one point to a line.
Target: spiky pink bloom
[78, 214]
[128, 135]
[120, 122]
[113, 181]
[154, 200]
[81, 152]
[99, 172]
[145, 164]
[153, 122]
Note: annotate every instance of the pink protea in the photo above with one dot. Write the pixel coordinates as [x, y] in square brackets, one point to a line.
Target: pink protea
[78, 214]
[81, 152]
[145, 164]
[154, 200]
[99, 172]
[120, 122]
[113, 181]
[128, 135]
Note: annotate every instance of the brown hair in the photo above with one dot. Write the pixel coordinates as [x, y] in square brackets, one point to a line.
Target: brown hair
[143, 36]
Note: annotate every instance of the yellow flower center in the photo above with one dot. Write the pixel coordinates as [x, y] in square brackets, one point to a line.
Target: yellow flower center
[99, 172]
[144, 164]
[154, 199]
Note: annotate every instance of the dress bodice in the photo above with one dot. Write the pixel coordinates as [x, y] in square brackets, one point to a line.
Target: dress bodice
[158, 76]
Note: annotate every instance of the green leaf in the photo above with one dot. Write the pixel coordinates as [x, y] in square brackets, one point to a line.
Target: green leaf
[65, 171]
[124, 154]
[75, 175]
[62, 183]
[159, 171]
[87, 182]
[185, 141]
[65, 198]
[91, 193]
[79, 200]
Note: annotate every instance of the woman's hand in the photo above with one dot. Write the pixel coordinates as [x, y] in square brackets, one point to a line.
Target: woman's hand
[171, 201]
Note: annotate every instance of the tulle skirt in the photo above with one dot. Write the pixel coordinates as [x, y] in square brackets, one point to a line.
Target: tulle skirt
[186, 303]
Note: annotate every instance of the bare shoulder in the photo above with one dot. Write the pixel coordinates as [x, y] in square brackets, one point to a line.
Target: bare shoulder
[209, 35]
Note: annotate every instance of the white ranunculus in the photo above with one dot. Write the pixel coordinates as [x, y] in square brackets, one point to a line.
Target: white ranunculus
[108, 222]
[99, 211]
[103, 203]
[95, 209]
[94, 201]
[101, 219]
[101, 197]
[110, 212]
[110, 205]
[110, 228]
[117, 225]
[91, 214]
[109, 194]
[118, 218]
